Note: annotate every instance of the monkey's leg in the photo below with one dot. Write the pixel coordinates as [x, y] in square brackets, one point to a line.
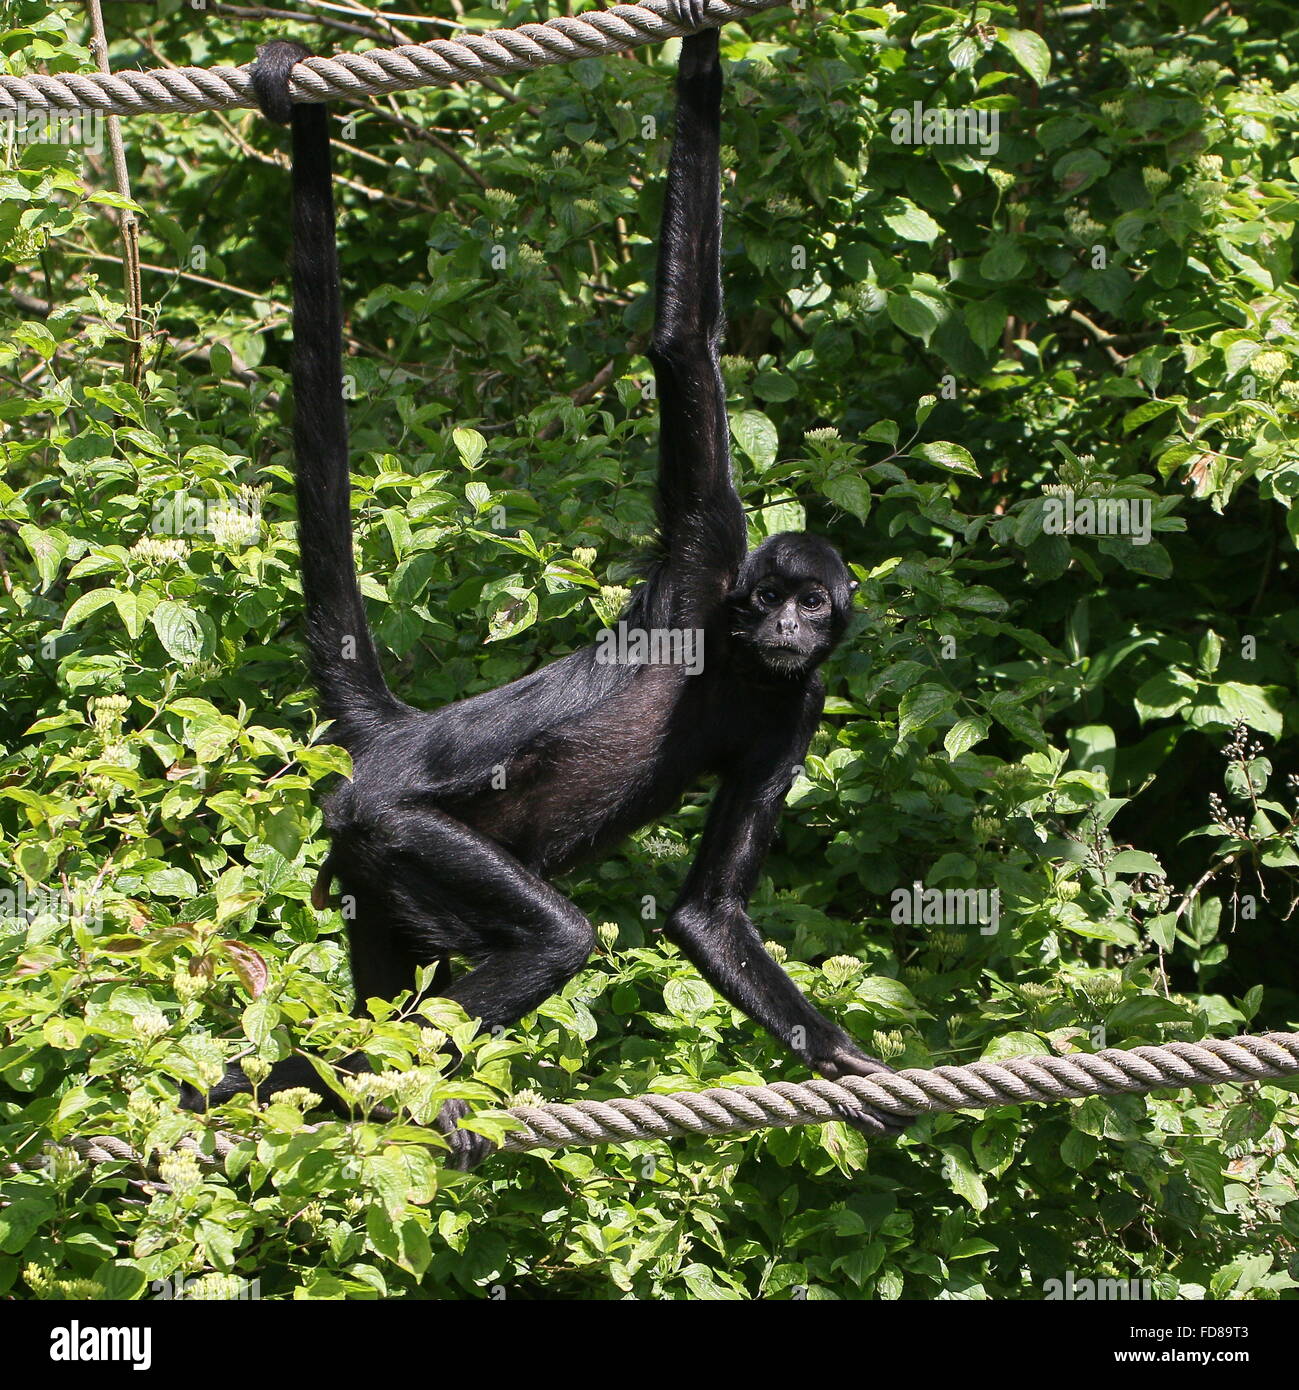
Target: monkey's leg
[382, 968]
[385, 970]
[425, 885]
[448, 888]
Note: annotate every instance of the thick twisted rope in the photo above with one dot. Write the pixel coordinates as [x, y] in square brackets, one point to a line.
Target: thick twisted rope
[977, 1085]
[739, 1109]
[438, 63]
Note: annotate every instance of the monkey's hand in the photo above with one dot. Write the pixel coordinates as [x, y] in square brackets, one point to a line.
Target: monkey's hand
[847, 1060]
[467, 1148]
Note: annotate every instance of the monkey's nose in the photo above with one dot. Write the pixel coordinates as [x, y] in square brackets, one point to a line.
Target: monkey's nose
[787, 627]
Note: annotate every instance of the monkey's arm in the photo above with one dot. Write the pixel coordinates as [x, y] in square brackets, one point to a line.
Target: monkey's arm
[711, 925]
[700, 516]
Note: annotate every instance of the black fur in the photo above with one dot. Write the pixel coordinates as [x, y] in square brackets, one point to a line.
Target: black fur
[436, 858]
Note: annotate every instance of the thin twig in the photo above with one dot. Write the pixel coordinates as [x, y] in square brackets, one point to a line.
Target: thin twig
[582, 396]
[127, 223]
[1212, 872]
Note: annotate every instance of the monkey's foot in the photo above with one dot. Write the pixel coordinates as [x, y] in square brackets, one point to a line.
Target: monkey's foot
[233, 1083]
[875, 1124]
[467, 1148]
[191, 1098]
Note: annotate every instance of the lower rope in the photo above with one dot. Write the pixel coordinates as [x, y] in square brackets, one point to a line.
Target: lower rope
[916, 1091]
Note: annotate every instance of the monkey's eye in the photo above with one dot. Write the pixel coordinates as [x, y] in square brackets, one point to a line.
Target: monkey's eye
[768, 596]
[812, 600]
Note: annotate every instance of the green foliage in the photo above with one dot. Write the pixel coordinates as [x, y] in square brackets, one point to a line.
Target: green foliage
[930, 347]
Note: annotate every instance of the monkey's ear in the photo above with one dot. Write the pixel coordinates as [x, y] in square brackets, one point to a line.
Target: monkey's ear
[853, 586]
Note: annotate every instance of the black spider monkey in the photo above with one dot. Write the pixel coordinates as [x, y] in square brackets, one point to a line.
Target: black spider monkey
[435, 857]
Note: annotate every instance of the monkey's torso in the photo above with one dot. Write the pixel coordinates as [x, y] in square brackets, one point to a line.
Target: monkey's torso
[565, 763]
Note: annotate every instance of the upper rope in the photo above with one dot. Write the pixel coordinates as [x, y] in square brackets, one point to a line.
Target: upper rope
[438, 63]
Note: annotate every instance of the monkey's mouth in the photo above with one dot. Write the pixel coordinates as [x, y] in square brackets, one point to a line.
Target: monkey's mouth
[761, 644]
[782, 655]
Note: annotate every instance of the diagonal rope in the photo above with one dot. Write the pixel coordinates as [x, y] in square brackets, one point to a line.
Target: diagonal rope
[916, 1091]
[438, 63]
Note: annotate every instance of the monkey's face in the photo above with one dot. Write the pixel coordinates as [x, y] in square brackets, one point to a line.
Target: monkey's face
[791, 603]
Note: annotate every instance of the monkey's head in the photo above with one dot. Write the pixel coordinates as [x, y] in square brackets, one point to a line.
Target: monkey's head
[791, 603]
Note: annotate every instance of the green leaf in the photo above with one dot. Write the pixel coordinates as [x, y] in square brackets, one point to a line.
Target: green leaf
[851, 492]
[887, 997]
[470, 445]
[1243, 782]
[259, 1020]
[913, 314]
[133, 608]
[756, 436]
[284, 830]
[1003, 260]
[1015, 1045]
[91, 602]
[1081, 168]
[1143, 1015]
[1029, 50]
[34, 861]
[688, 997]
[1079, 1150]
[921, 705]
[964, 734]
[48, 548]
[516, 609]
[1145, 412]
[986, 321]
[883, 432]
[707, 1285]
[964, 52]
[171, 882]
[962, 1177]
[1008, 710]
[179, 631]
[910, 222]
[994, 1145]
[1251, 704]
[955, 458]
[20, 1219]
[774, 386]
[1164, 694]
[119, 1283]
[1135, 861]
[234, 807]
